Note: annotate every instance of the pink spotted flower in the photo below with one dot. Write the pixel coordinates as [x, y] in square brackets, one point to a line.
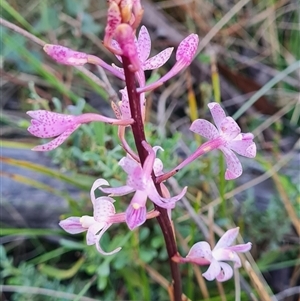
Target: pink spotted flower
[227, 137]
[143, 47]
[141, 183]
[201, 254]
[104, 215]
[45, 124]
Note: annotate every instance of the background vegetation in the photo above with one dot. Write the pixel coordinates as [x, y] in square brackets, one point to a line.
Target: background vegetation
[255, 47]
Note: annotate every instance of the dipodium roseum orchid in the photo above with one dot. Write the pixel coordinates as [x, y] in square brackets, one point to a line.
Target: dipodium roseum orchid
[227, 137]
[201, 254]
[143, 46]
[140, 181]
[47, 124]
[104, 215]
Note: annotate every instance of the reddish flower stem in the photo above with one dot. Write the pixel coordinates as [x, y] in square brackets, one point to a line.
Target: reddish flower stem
[139, 137]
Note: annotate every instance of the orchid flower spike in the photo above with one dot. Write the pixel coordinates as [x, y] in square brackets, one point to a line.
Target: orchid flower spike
[140, 181]
[45, 124]
[201, 254]
[227, 137]
[104, 215]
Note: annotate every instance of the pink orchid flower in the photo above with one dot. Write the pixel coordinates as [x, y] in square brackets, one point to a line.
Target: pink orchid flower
[184, 56]
[201, 254]
[66, 56]
[47, 124]
[140, 181]
[143, 46]
[227, 137]
[104, 215]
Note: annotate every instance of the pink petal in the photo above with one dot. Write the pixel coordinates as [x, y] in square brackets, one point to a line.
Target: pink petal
[225, 273]
[243, 145]
[227, 255]
[118, 191]
[158, 60]
[144, 44]
[66, 55]
[121, 70]
[128, 164]
[103, 208]
[217, 113]
[46, 124]
[213, 271]
[229, 128]
[204, 128]
[158, 167]
[124, 104]
[72, 225]
[116, 46]
[234, 166]
[113, 20]
[92, 233]
[98, 246]
[200, 250]
[97, 184]
[125, 38]
[187, 49]
[242, 248]
[137, 179]
[227, 238]
[57, 141]
[163, 202]
[135, 217]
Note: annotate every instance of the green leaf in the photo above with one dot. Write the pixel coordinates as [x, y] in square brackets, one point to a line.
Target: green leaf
[61, 274]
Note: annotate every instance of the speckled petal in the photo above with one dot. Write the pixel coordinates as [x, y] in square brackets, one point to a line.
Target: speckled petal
[57, 141]
[243, 145]
[204, 128]
[47, 124]
[124, 104]
[227, 238]
[116, 45]
[217, 113]
[200, 249]
[234, 166]
[128, 164]
[135, 216]
[103, 208]
[158, 60]
[144, 44]
[187, 49]
[225, 273]
[97, 184]
[229, 128]
[117, 191]
[72, 225]
[213, 271]
[137, 179]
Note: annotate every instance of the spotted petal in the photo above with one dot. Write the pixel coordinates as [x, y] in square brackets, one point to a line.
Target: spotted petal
[200, 250]
[158, 60]
[227, 238]
[57, 141]
[144, 44]
[204, 128]
[217, 113]
[103, 208]
[243, 145]
[234, 166]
